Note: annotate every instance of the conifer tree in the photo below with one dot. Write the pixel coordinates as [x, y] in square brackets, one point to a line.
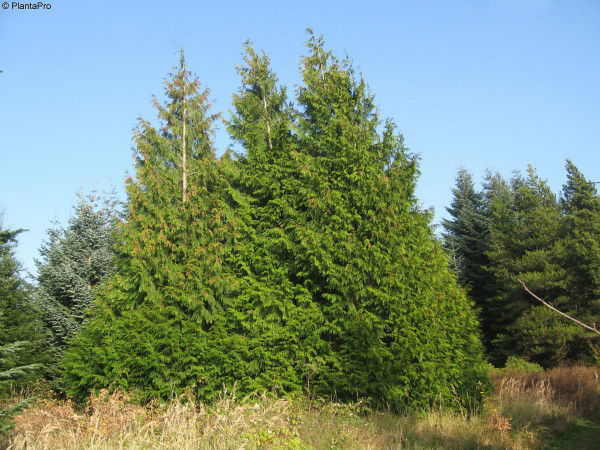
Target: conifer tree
[392, 313]
[581, 206]
[466, 241]
[21, 336]
[466, 234]
[160, 325]
[526, 225]
[338, 223]
[279, 317]
[74, 261]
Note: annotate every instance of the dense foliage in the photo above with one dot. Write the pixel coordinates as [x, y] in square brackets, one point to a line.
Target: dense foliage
[302, 263]
[75, 260]
[552, 246]
[366, 305]
[21, 333]
[305, 264]
[160, 326]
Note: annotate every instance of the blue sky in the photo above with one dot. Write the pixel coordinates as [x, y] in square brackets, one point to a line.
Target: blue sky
[488, 84]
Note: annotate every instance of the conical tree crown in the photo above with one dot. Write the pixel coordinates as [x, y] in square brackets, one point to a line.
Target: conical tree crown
[160, 327]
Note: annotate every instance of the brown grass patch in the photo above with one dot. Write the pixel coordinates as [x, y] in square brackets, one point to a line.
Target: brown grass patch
[522, 410]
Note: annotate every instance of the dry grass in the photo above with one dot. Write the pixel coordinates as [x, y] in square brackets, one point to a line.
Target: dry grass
[522, 410]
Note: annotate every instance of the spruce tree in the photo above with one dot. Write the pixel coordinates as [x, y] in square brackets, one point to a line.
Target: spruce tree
[526, 225]
[466, 240]
[579, 254]
[75, 260]
[581, 207]
[465, 237]
[160, 325]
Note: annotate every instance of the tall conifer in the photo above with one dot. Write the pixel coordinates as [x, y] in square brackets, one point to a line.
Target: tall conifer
[466, 241]
[160, 320]
[337, 223]
[278, 317]
[526, 224]
[21, 336]
[393, 315]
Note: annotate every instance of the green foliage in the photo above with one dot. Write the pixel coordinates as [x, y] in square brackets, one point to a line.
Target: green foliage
[277, 316]
[552, 246]
[366, 305]
[518, 365]
[9, 373]
[581, 246]
[467, 233]
[74, 262]
[523, 233]
[466, 240]
[19, 358]
[160, 319]
[305, 264]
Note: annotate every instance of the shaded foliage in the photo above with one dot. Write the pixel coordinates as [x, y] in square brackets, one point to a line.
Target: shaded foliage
[21, 355]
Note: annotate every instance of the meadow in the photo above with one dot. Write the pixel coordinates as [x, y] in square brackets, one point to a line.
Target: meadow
[528, 409]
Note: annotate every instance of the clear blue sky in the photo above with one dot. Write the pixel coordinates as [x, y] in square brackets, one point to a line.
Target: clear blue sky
[484, 83]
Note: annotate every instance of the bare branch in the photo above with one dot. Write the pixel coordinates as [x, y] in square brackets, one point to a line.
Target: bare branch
[561, 313]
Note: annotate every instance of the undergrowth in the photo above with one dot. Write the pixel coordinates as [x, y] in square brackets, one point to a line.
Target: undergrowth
[526, 410]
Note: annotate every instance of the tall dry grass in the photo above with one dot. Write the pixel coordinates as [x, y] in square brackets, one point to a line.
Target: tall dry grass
[519, 414]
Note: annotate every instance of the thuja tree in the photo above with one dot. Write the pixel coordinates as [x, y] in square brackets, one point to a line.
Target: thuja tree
[160, 325]
[74, 261]
[340, 223]
[279, 317]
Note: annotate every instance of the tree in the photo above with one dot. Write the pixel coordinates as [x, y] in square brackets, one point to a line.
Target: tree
[20, 353]
[466, 241]
[74, 262]
[581, 208]
[525, 230]
[278, 315]
[160, 328]
[337, 219]
[466, 234]
[9, 375]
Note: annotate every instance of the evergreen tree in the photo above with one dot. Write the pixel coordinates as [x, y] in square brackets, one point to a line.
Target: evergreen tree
[75, 260]
[278, 315]
[526, 225]
[21, 333]
[337, 218]
[466, 241]
[160, 325]
[466, 234]
[9, 374]
[579, 255]
[581, 206]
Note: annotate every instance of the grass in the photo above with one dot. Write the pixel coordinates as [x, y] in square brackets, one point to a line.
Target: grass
[559, 408]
